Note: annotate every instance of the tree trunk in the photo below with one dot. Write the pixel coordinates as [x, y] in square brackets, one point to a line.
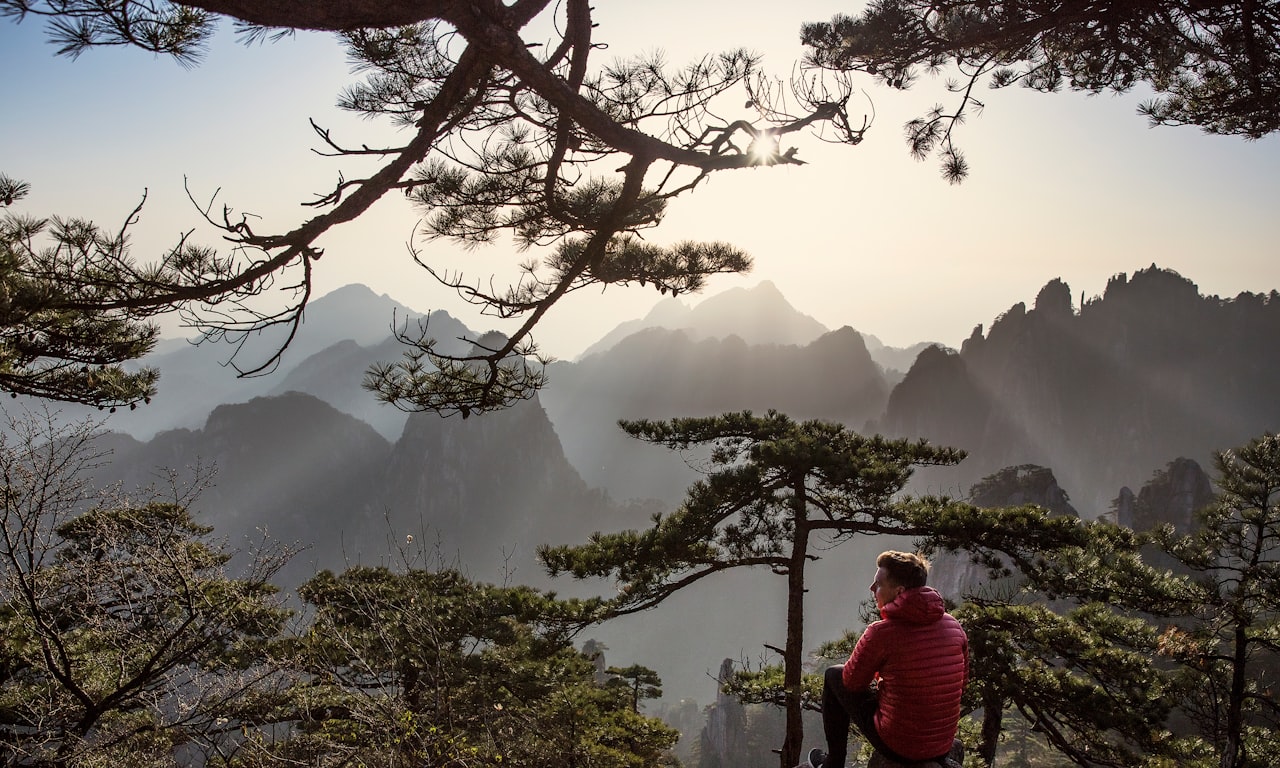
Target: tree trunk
[992, 723]
[793, 654]
[1232, 752]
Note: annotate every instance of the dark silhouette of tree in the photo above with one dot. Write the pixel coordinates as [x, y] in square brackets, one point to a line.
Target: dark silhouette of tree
[509, 136]
[1226, 644]
[1212, 64]
[773, 487]
[48, 348]
[639, 681]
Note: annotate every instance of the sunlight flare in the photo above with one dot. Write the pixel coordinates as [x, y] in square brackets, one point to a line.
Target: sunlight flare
[764, 148]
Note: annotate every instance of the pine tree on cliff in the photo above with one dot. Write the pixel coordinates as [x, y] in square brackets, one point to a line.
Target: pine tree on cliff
[1104, 653]
[774, 487]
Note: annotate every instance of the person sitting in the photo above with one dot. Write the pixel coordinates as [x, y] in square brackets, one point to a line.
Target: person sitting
[902, 684]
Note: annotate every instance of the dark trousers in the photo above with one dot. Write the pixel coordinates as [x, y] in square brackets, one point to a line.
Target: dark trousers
[840, 707]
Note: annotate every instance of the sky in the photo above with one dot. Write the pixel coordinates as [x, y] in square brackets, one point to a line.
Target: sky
[1066, 186]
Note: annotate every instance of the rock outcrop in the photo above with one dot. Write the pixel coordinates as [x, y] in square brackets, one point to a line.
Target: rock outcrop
[1149, 371]
[954, 574]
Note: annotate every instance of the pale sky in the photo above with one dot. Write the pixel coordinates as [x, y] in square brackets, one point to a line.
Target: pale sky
[1063, 185]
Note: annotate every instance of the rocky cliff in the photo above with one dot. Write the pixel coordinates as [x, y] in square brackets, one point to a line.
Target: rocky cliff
[1172, 496]
[484, 492]
[953, 574]
[661, 374]
[1148, 371]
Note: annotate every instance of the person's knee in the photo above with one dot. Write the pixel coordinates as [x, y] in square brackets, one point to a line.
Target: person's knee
[834, 676]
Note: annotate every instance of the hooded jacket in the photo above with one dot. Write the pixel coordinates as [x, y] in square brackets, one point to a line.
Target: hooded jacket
[921, 655]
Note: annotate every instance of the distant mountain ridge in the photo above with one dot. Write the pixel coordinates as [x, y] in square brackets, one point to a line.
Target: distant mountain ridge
[758, 315]
[658, 373]
[488, 491]
[1102, 397]
[1148, 372]
[345, 331]
[342, 333]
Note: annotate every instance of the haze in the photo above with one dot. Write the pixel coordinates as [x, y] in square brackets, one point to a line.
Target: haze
[1062, 185]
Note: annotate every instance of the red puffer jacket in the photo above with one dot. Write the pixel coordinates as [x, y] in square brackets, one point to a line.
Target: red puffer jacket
[921, 655]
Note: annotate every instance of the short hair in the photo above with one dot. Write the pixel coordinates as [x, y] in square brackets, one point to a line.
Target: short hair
[905, 569]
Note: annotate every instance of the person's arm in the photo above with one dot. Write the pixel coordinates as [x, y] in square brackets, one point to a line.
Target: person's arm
[866, 659]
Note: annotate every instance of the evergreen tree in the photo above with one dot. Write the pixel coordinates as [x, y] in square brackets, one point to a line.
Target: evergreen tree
[1066, 633]
[1057, 637]
[1067, 643]
[509, 135]
[1227, 643]
[1213, 64]
[639, 681]
[1078, 631]
[429, 668]
[122, 637]
[53, 343]
[773, 488]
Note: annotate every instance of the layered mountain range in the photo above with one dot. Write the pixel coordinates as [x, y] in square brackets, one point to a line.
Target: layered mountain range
[1105, 395]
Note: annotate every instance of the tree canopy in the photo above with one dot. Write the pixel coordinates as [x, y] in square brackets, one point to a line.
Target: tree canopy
[775, 488]
[52, 344]
[123, 635]
[1211, 64]
[1117, 661]
[428, 667]
[506, 136]
[125, 640]
[516, 134]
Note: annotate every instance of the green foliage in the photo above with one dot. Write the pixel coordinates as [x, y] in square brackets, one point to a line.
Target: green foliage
[122, 636]
[507, 136]
[1214, 65]
[124, 641]
[1225, 639]
[1116, 662]
[766, 685]
[772, 481]
[1086, 677]
[772, 484]
[1061, 634]
[55, 341]
[639, 681]
[429, 667]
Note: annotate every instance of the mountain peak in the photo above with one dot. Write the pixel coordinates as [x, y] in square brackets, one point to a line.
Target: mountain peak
[667, 313]
[757, 315]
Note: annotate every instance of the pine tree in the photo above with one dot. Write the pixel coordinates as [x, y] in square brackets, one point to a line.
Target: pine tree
[507, 136]
[53, 343]
[639, 681]
[774, 487]
[426, 667]
[1213, 64]
[1078, 630]
[1227, 642]
[123, 637]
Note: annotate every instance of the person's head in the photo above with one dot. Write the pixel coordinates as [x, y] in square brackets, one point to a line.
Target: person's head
[896, 572]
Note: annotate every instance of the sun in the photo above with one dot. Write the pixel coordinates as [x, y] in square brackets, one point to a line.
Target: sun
[763, 149]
